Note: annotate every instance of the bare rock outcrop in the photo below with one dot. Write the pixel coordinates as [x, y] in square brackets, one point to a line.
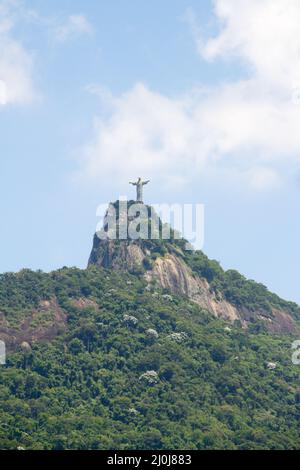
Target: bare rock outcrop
[172, 273]
[164, 265]
[109, 254]
[41, 325]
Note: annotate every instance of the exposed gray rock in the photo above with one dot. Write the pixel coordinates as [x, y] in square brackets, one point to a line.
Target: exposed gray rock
[171, 272]
[126, 256]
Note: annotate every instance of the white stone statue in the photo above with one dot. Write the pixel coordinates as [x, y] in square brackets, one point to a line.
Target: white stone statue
[139, 188]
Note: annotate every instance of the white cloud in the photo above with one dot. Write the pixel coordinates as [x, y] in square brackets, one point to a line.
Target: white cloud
[16, 63]
[263, 33]
[75, 25]
[146, 133]
[249, 126]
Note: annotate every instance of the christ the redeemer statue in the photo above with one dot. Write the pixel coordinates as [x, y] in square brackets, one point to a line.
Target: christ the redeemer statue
[139, 188]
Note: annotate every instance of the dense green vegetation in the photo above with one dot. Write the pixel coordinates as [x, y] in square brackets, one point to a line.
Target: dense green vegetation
[83, 390]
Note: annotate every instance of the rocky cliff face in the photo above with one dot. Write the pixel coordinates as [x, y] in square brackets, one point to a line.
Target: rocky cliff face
[41, 325]
[170, 271]
[113, 254]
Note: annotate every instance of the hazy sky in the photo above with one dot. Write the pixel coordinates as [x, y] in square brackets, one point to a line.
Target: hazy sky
[202, 97]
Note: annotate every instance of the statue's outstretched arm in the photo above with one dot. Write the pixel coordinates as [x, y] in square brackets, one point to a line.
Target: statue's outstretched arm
[146, 182]
[134, 184]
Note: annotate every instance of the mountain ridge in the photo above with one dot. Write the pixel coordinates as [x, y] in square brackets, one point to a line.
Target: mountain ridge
[110, 357]
[192, 274]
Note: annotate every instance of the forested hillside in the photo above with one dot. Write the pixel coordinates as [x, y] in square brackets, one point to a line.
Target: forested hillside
[100, 359]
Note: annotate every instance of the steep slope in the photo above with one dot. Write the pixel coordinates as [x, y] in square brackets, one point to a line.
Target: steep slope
[138, 368]
[225, 294]
[151, 347]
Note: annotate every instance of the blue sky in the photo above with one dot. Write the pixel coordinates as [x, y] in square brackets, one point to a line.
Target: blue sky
[201, 97]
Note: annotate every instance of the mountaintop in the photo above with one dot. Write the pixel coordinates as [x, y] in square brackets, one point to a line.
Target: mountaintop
[143, 350]
[167, 264]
